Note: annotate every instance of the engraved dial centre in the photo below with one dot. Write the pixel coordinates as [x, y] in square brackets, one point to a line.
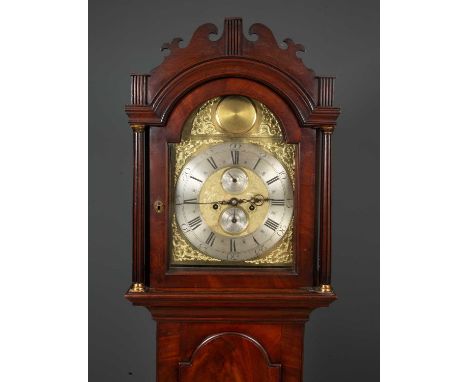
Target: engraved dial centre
[220, 187]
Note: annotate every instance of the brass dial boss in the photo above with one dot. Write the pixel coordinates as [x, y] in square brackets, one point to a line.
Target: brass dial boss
[236, 114]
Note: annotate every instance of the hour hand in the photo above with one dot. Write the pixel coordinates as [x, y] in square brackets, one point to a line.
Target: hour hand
[232, 201]
[189, 201]
[258, 200]
[233, 179]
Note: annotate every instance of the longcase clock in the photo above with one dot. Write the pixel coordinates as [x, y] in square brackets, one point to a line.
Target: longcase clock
[231, 204]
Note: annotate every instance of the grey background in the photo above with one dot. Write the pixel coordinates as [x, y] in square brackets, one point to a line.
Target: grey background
[342, 39]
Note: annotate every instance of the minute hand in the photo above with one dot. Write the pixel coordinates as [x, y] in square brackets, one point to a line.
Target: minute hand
[257, 199]
[195, 202]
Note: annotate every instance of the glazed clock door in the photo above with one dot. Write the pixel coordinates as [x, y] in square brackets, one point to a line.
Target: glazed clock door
[233, 182]
[234, 201]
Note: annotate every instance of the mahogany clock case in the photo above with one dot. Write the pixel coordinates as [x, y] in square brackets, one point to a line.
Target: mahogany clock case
[354, 320]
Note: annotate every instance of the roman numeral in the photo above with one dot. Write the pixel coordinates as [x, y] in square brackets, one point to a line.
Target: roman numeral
[195, 223]
[212, 162]
[190, 201]
[235, 157]
[277, 202]
[273, 180]
[256, 242]
[211, 239]
[198, 180]
[256, 164]
[233, 245]
[271, 224]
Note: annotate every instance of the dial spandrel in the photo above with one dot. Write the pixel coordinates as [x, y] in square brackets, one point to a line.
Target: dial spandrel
[234, 207]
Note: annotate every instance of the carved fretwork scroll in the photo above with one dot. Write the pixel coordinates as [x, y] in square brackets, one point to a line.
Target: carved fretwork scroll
[232, 43]
[210, 56]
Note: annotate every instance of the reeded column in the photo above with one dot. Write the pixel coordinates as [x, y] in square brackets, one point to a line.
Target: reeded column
[325, 211]
[138, 267]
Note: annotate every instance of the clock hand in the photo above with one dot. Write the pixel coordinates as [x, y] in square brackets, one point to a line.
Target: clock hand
[193, 202]
[233, 179]
[232, 202]
[234, 220]
[258, 200]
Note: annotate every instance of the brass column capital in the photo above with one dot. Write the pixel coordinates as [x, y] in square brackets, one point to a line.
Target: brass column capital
[137, 128]
[137, 288]
[326, 288]
[327, 129]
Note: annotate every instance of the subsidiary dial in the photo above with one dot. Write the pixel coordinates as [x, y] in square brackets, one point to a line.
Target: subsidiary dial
[233, 220]
[234, 180]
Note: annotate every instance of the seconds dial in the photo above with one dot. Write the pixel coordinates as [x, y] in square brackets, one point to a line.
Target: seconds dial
[234, 201]
[233, 220]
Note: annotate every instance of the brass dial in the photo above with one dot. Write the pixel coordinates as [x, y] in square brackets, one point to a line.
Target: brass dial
[228, 222]
[233, 220]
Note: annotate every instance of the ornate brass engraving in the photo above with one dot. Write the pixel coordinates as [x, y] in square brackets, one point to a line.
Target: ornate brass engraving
[204, 130]
[212, 189]
[203, 123]
[269, 126]
[188, 148]
[183, 252]
[207, 121]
